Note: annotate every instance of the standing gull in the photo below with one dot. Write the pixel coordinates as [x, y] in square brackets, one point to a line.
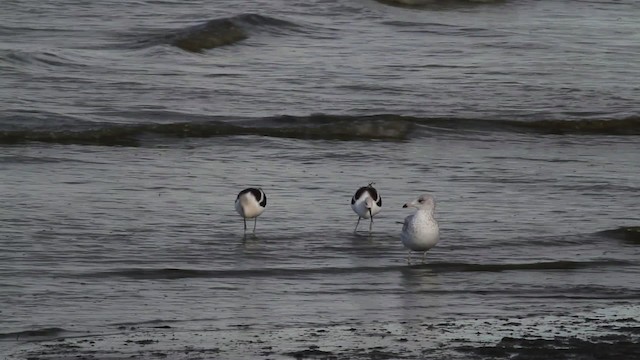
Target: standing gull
[250, 203]
[420, 231]
[366, 202]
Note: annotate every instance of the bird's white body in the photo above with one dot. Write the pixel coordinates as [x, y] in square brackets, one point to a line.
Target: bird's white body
[250, 203]
[363, 204]
[366, 202]
[420, 231]
[248, 207]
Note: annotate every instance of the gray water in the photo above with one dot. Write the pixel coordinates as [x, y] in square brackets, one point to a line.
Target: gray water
[127, 131]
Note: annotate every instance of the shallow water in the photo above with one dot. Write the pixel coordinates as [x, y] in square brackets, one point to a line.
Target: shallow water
[97, 237]
[122, 155]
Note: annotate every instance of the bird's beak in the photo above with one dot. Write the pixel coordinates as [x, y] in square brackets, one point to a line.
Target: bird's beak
[410, 204]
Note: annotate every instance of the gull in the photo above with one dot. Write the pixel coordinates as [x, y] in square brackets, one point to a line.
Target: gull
[420, 231]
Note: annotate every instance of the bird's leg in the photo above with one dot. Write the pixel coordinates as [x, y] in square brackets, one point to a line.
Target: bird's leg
[245, 224]
[255, 222]
[424, 255]
[356, 229]
[409, 258]
[371, 223]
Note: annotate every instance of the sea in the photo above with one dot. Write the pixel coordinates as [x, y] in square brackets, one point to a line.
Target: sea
[127, 129]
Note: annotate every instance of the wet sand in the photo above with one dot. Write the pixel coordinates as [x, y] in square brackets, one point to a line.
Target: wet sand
[604, 334]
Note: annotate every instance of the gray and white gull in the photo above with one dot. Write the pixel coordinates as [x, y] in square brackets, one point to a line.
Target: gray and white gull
[420, 231]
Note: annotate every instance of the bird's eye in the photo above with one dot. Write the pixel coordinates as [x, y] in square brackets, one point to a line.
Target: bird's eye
[421, 200]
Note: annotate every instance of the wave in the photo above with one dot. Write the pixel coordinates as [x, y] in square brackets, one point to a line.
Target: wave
[130, 135]
[625, 126]
[318, 127]
[439, 3]
[630, 234]
[217, 32]
[174, 274]
[50, 59]
[38, 333]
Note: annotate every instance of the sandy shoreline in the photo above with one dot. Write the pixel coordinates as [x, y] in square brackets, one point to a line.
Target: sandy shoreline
[599, 334]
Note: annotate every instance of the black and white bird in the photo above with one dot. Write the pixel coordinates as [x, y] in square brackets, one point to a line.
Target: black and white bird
[420, 231]
[366, 202]
[250, 203]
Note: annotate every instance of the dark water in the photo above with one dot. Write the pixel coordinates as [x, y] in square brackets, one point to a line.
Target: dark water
[128, 128]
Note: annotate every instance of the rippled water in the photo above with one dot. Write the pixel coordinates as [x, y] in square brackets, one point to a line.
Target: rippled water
[76, 62]
[127, 131]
